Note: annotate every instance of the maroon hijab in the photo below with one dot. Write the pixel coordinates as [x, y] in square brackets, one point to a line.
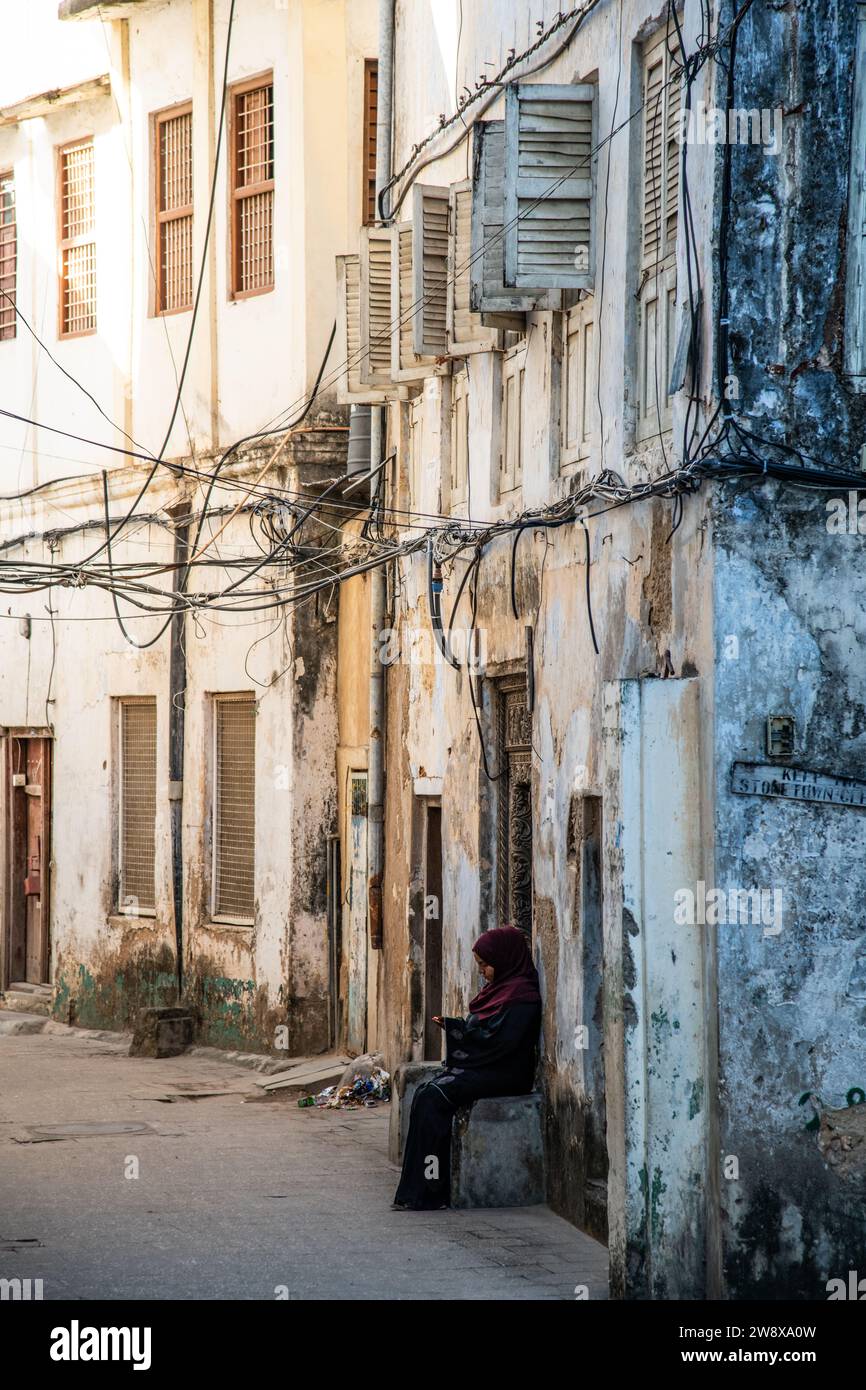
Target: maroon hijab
[515, 980]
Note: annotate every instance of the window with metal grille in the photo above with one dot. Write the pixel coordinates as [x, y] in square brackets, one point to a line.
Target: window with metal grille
[137, 837]
[8, 256]
[234, 808]
[173, 150]
[371, 113]
[252, 187]
[77, 240]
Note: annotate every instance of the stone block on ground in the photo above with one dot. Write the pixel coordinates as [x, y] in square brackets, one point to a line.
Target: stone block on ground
[404, 1083]
[497, 1155]
[162, 1033]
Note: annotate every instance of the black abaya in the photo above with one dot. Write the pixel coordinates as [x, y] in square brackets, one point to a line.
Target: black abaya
[483, 1057]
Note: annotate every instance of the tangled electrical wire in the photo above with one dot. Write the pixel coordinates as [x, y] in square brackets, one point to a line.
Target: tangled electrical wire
[294, 563]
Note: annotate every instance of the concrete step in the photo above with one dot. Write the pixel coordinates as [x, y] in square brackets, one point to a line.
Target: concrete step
[14, 1022]
[28, 999]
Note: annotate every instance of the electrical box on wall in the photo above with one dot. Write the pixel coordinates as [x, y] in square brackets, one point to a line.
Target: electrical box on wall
[780, 736]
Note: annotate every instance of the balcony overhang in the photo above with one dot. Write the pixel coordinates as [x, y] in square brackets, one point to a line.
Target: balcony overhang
[43, 103]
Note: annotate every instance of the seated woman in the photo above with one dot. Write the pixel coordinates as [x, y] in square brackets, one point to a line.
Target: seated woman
[492, 1052]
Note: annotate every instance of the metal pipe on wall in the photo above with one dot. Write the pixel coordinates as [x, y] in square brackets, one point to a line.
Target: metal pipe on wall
[378, 594]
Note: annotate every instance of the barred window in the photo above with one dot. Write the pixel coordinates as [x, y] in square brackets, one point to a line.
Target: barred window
[8, 256]
[371, 115]
[77, 240]
[174, 209]
[252, 188]
[234, 807]
[137, 837]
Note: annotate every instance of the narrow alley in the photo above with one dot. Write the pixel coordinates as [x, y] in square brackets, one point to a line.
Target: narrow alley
[235, 1196]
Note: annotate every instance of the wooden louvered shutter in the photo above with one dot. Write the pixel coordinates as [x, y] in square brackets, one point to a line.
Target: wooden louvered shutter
[348, 326]
[375, 316]
[657, 290]
[429, 270]
[488, 293]
[466, 332]
[403, 365]
[347, 345]
[549, 185]
[662, 153]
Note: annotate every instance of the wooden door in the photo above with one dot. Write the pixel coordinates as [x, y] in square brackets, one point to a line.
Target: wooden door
[357, 916]
[29, 819]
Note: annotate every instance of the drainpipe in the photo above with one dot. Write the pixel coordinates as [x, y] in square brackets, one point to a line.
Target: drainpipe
[378, 595]
[176, 712]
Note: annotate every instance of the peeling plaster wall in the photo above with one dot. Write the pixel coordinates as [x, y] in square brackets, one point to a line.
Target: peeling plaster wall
[792, 596]
[651, 601]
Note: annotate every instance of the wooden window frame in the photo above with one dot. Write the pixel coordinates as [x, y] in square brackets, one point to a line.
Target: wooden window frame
[10, 334]
[657, 277]
[158, 119]
[460, 391]
[513, 368]
[368, 174]
[417, 414]
[217, 699]
[64, 243]
[237, 196]
[123, 702]
[576, 321]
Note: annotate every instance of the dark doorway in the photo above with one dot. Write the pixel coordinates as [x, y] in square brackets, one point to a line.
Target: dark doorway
[587, 829]
[432, 931]
[28, 784]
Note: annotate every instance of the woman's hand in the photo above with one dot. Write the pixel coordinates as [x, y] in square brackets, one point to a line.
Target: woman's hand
[439, 1020]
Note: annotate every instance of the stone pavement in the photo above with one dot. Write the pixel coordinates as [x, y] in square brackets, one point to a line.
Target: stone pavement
[236, 1197]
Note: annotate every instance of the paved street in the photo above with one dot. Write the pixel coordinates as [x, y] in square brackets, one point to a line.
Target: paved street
[236, 1197]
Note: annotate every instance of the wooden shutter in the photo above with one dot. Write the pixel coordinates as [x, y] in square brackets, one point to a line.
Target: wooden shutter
[347, 344]
[375, 320]
[466, 333]
[657, 289]
[234, 808]
[407, 308]
[136, 892]
[429, 270]
[549, 185]
[489, 296]
[660, 170]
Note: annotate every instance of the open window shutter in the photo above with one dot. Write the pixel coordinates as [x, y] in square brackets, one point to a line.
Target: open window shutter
[465, 330]
[549, 185]
[488, 293]
[653, 144]
[429, 270]
[673, 155]
[375, 317]
[348, 340]
[348, 325]
[403, 366]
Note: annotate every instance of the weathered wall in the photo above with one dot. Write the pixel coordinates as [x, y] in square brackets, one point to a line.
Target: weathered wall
[651, 600]
[791, 596]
